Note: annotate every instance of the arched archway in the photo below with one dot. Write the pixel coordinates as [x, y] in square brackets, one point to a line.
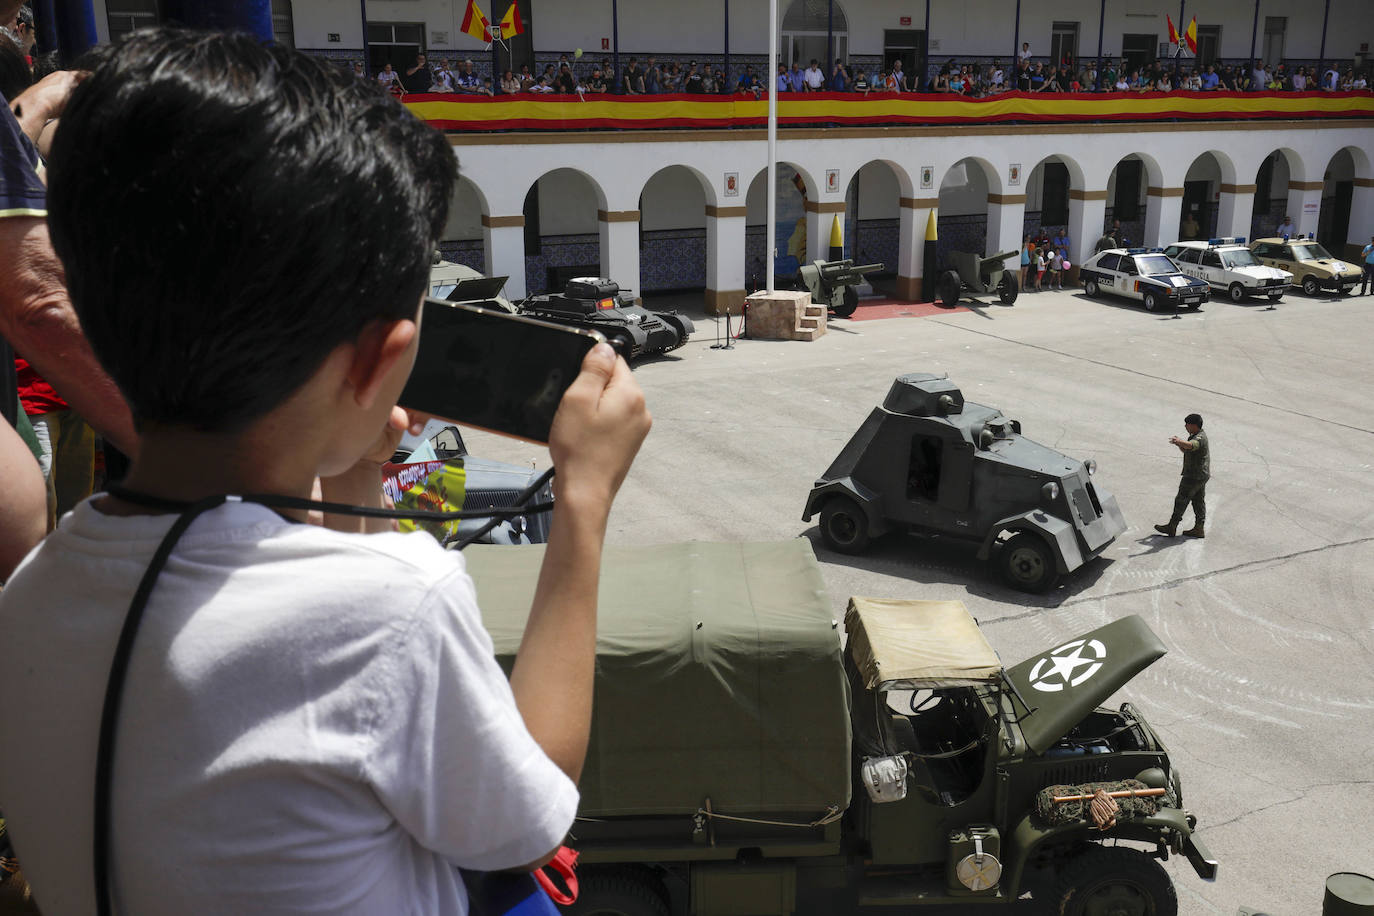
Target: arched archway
[1128, 198]
[464, 239]
[873, 227]
[1335, 224]
[963, 223]
[1049, 186]
[1202, 185]
[795, 188]
[810, 31]
[562, 233]
[672, 230]
[1279, 169]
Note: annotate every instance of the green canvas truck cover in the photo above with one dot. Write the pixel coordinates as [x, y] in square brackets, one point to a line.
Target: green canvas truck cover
[718, 675]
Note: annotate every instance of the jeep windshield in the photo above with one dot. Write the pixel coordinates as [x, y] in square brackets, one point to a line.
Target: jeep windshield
[1312, 251]
[1240, 257]
[1154, 264]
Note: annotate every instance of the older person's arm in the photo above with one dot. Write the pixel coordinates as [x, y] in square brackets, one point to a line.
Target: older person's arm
[36, 315]
[24, 509]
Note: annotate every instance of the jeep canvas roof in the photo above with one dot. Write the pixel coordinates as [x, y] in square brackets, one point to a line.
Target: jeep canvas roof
[898, 644]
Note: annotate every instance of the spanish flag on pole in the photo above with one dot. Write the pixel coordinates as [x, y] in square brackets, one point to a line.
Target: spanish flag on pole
[511, 23]
[1191, 36]
[475, 22]
[1173, 32]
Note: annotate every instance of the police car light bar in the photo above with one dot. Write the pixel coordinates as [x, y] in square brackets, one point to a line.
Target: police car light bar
[1135, 251]
[1228, 240]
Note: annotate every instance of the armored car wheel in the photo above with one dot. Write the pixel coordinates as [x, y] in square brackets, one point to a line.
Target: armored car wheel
[1311, 286]
[844, 526]
[1008, 289]
[1090, 287]
[617, 893]
[850, 303]
[1028, 563]
[1151, 301]
[948, 289]
[1114, 881]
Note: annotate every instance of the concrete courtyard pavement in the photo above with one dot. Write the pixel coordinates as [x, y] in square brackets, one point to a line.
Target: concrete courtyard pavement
[1266, 698]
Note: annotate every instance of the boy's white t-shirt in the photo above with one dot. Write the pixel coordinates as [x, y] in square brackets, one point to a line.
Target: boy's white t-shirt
[313, 722]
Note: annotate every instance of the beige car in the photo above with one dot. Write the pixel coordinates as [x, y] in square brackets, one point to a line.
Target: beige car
[1312, 267]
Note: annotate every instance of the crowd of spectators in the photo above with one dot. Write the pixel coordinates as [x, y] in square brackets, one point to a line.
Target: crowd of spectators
[974, 80]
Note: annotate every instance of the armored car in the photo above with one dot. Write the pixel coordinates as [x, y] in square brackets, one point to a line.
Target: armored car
[929, 462]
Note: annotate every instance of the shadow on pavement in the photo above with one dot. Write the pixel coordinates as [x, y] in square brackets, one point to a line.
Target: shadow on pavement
[937, 562]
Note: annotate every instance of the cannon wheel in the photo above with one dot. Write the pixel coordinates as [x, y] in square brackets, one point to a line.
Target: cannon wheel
[1008, 289]
[947, 289]
[850, 303]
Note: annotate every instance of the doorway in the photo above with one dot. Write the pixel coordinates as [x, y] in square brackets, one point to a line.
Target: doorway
[394, 43]
[1275, 27]
[909, 47]
[1197, 202]
[1139, 50]
[1333, 226]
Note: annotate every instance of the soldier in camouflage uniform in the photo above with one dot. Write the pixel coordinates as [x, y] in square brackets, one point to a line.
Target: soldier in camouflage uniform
[1192, 488]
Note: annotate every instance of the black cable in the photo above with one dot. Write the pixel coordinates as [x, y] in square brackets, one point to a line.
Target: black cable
[114, 693]
[119, 664]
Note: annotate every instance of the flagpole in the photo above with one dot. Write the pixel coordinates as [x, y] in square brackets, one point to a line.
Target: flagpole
[771, 245]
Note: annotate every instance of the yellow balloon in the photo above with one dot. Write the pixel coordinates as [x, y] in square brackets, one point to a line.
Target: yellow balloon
[577, 54]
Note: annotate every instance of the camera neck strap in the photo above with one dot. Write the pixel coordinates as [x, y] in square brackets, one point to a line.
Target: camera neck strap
[128, 633]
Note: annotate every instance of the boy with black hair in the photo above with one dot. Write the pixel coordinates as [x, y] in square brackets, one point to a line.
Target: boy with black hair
[312, 720]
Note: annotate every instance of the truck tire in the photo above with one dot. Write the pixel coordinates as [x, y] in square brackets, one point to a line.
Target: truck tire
[617, 894]
[850, 303]
[1311, 286]
[1008, 289]
[948, 288]
[844, 525]
[1114, 879]
[1028, 564]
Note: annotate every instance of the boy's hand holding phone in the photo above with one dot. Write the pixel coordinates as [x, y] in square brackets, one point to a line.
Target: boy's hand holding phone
[599, 426]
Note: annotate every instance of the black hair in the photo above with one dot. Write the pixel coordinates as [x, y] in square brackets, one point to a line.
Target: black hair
[229, 212]
[15, 75]
[1195, 419]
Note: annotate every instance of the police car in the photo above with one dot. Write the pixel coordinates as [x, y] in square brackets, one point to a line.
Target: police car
[1229, 265]
[1146, 274]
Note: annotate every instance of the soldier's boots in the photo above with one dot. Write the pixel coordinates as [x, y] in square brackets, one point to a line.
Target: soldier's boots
[1170, 529]
[1195, 532]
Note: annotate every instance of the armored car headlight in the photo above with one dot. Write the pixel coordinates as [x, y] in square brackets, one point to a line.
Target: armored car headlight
[1091, 465]
[1050, 491]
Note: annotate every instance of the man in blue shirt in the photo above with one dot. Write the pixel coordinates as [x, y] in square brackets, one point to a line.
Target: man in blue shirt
[1061, 242]
[1368, 282]
[784, 82]
[797, 78]
[1210, 80]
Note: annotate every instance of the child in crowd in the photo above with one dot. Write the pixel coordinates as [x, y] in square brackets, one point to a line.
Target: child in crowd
[1052, 264]
[1039, 268]
[312, 720]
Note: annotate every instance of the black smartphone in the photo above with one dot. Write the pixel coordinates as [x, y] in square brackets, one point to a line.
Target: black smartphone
[494, 371]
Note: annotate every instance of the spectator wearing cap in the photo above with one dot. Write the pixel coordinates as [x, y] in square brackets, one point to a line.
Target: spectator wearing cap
[692, 83]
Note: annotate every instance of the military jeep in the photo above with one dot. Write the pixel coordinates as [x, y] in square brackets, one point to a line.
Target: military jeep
[928, 462]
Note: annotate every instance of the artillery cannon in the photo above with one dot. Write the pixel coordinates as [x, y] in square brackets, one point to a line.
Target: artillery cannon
[833, 282]
[978, 275]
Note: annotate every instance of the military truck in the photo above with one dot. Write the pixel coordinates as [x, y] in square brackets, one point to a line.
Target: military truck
[928, 462]
[747, 758]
